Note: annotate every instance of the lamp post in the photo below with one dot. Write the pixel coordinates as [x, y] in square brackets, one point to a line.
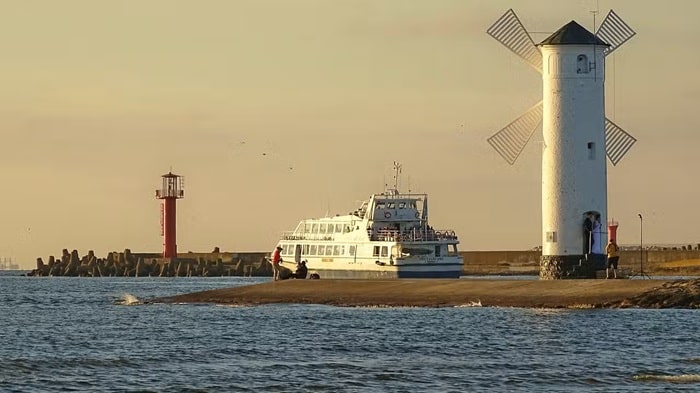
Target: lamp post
[641, 247]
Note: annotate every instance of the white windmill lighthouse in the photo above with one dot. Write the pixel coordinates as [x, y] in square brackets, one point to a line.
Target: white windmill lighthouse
[577, 138]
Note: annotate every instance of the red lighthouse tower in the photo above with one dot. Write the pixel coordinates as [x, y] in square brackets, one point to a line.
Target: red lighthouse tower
[612, 230]
[170, 191]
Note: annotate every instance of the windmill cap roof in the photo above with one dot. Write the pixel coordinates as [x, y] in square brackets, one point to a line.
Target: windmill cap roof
[573, 34]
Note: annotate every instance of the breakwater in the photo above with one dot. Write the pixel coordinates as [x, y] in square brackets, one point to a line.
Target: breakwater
[128, 264]
[657, 262]
[215, 263]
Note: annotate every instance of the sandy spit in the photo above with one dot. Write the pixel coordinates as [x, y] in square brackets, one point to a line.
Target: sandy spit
[431, 293]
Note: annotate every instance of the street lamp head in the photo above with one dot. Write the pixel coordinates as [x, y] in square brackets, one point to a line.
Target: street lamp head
[640, 215]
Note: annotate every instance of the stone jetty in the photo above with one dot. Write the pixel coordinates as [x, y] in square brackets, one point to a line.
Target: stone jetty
[657, 262]
[128, 264]
[461, 292]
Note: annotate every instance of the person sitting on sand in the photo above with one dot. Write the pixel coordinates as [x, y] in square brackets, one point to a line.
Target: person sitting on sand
[613, 257]
[301, 271]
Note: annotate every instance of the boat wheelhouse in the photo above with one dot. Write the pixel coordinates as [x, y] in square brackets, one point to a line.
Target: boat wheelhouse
[388, 236]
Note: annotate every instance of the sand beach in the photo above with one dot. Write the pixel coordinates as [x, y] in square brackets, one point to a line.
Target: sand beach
[451, 293]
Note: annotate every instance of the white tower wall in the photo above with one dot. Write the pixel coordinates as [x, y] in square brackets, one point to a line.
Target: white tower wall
[574, 178]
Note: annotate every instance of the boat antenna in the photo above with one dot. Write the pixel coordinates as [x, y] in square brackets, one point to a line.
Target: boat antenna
[397, 171]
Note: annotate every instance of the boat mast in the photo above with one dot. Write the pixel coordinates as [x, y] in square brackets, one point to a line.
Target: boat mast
[397, 171]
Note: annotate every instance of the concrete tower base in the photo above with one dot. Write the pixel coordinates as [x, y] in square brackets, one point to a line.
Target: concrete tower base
[567, 267]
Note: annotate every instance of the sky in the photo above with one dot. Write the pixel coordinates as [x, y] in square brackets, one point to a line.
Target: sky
[277, 110]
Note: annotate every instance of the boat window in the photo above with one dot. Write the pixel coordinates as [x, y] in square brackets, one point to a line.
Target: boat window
[391, 205]
[312, 249]
[322, 228]
[305, 251]
[330, 228]
[329, 250]
[376, 251]
[314, 228]
[307, 228]
[338, 228]
[321, 250]
[342, 250]
[452, 250]
[352, 250]
[437, 250]
[284, 249]
[336, 250]
[385, 251]
[402, 205]
[380, 205]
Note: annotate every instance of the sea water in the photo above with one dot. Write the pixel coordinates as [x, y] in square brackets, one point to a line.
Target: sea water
[95, 334]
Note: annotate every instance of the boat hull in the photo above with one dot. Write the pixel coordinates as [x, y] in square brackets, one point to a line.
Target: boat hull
[368, 274]
[452, 270]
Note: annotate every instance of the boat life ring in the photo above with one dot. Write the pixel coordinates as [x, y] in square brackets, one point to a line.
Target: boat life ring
[417, 215]
[387, 215]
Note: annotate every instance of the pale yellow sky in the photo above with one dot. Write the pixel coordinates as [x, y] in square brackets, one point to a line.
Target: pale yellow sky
[100, 98]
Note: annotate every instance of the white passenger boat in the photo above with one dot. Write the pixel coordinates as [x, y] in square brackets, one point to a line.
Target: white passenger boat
[388, 236]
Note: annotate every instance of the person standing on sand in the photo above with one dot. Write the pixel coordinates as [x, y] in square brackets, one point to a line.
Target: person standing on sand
[276, 259]
[613, 257]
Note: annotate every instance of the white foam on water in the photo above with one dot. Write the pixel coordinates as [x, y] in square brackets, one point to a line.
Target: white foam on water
[128, 299]
[470, 304]
[683, 378]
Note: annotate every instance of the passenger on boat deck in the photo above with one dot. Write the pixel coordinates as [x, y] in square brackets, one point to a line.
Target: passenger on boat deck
[276, 259]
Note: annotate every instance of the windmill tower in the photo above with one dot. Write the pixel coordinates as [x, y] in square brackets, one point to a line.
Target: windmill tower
[577, 138]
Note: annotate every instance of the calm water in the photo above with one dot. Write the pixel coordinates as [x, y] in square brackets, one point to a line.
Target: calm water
[81, 334]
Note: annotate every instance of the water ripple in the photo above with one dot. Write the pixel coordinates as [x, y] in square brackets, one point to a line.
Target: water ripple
[75, 335]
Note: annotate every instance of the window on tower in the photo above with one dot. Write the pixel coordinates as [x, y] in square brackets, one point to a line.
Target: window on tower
[582, 64]
[591, 150]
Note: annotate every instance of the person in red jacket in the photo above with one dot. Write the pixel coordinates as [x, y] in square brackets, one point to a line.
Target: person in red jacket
[276, 259]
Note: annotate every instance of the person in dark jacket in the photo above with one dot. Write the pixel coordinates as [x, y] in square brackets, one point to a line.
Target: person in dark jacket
[301, 271]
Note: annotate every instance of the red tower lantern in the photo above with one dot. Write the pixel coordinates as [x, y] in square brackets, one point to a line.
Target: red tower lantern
[612, 230]
[170, 191]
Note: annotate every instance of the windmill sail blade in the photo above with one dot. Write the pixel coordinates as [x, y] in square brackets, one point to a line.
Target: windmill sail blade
[510, 141]
[510, 32]
[617, 141]
[614, 31]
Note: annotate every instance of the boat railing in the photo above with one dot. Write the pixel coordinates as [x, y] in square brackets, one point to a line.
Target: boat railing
[413, 235]
[291, 235]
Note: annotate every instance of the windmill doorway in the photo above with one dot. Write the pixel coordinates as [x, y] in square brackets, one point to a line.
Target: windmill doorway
[592, 233]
